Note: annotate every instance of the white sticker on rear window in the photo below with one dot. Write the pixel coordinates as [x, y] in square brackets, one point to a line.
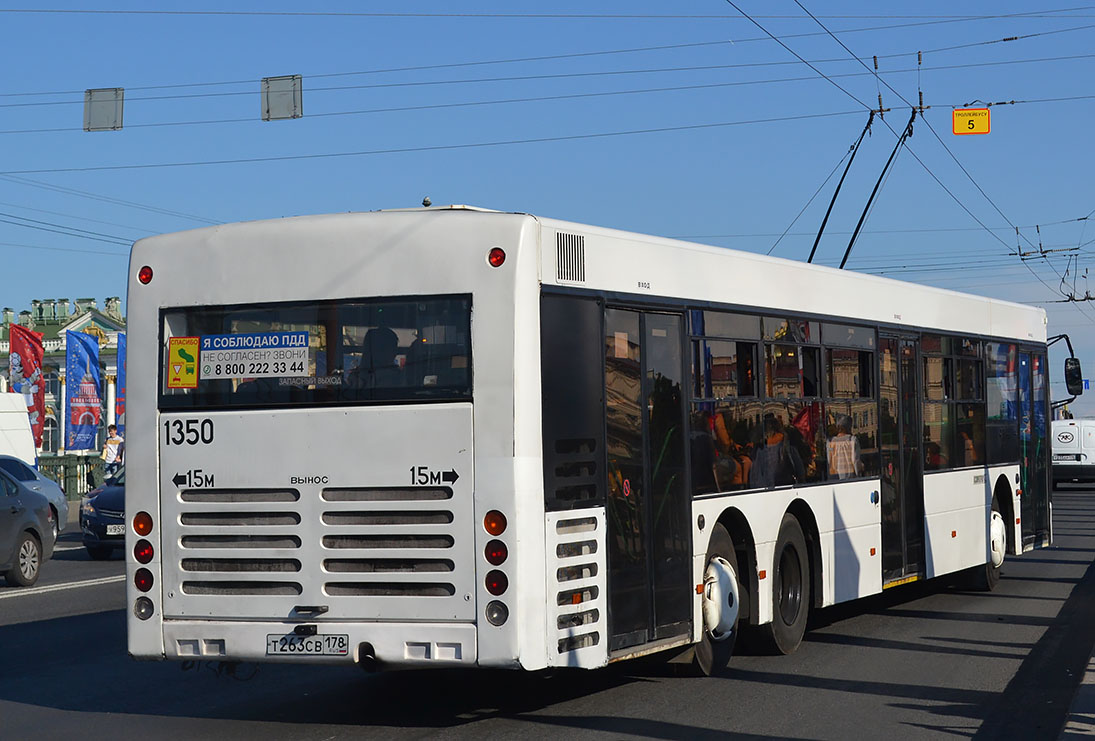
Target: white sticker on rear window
[254, 355]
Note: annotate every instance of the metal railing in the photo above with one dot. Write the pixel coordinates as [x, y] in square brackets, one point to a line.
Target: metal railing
[77, 474]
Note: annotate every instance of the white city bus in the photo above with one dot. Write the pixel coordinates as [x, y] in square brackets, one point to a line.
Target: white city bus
[456, 437]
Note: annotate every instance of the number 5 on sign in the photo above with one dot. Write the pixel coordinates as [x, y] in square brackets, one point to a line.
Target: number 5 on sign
[970, 121]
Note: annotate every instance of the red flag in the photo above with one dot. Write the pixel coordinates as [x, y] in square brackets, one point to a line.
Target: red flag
[25, 372]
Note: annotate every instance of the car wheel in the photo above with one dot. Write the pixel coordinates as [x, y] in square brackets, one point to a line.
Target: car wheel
[99, 552]
[28, 562]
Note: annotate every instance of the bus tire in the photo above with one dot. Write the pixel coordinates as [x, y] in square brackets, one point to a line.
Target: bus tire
[790, 588]
[712, 656]
[985, 578]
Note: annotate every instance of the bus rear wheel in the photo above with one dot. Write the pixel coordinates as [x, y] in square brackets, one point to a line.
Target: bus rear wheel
[716, 646]
[985, 578]
[790, 588]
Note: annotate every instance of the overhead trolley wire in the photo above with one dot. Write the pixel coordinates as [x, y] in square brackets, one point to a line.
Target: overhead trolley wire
[811, 200]
[105, 199]
[432, 148]
[512, 16]
[64, 249]
[72, 216]
[573, 55]
[472, 145]
[949, 152]
[48, 226]
[561, 76]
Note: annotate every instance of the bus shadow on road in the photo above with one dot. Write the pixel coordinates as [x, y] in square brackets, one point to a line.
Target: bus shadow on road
[80, 664]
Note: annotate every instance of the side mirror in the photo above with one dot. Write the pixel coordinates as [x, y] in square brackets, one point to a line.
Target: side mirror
[1074, 376]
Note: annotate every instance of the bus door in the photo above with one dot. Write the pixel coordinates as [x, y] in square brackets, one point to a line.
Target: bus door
[1033, 453]
[647, 509]
[902, 460]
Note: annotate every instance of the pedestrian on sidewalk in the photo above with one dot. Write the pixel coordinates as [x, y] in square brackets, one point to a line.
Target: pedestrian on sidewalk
[113, 450]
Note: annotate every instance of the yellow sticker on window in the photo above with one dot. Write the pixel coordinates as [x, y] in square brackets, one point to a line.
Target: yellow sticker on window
[182, 362]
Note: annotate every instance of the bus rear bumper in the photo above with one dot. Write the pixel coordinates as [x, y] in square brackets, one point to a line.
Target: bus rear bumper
[376, 645]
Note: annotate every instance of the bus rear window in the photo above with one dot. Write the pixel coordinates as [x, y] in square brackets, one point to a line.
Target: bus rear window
[317, 353]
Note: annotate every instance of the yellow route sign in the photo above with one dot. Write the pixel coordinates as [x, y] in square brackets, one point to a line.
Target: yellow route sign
[182, 362]
[970, 121]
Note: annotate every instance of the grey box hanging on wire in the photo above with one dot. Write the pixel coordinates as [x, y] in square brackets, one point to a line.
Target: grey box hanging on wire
[103, 109]
[281, 97]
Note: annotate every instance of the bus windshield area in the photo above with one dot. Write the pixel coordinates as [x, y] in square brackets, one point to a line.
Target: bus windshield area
[317, 353]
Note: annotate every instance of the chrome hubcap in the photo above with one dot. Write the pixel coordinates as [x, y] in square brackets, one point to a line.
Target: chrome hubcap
[28, 559]
[997, 539]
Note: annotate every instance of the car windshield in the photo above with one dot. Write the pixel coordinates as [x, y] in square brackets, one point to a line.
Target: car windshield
[117, 479]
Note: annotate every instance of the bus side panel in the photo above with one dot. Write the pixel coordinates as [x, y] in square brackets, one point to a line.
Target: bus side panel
[956, 517]
[848, 529]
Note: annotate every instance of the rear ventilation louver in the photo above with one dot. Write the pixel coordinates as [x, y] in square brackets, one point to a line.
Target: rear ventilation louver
[395, 536]
[570, 257]
[376, 542]
[574, 483]
[579, 575]
[233, 535]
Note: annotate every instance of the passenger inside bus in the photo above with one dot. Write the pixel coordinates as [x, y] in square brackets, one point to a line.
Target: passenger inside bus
[378, 368]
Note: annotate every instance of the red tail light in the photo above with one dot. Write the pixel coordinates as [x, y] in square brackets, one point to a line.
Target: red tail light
[496, 257]
[496, 582]
[142, 579]
[496, 553]
[144, 275]
[143, 552]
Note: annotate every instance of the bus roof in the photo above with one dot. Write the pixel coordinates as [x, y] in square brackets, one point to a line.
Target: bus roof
[671, 270]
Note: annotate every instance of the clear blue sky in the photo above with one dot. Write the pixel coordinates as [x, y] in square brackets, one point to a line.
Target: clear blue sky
[741, 147]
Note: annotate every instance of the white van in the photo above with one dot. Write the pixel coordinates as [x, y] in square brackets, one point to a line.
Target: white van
[1073, 450]
[16, 438]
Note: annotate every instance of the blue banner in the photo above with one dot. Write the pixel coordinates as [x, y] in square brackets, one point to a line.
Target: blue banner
[119, 397]
[83, 391]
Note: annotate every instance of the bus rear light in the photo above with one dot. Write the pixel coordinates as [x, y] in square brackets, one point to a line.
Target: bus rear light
[497, 583]
[142, 523]
[143, 608]
[496, 553]
[497, 613]
[496, 257]
[142, 579]
[495, 523]
[144, 275]
[143, 551]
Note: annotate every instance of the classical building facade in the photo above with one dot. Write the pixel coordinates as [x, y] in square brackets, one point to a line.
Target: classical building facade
[53, 318]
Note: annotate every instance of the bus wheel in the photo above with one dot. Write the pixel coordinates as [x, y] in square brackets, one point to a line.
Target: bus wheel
[790, 588]
[985, 578]
[721, 600]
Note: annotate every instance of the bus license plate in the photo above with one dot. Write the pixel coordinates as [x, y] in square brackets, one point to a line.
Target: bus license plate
[317, 645]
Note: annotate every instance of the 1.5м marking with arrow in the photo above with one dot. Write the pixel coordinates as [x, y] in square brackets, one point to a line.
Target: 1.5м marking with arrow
[423, 476]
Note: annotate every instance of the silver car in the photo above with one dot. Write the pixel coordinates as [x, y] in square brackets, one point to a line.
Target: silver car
[26, 532]
[35, 481]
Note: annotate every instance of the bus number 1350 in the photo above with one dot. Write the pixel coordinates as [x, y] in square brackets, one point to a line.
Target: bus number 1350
[188, 432]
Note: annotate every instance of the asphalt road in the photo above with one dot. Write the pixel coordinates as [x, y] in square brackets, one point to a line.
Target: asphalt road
[923, 661]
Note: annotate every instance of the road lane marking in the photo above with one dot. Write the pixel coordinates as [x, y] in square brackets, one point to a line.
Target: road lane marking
[61, 587]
